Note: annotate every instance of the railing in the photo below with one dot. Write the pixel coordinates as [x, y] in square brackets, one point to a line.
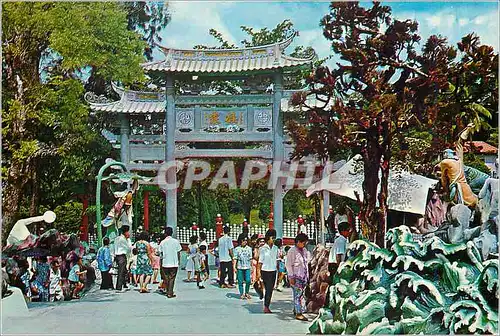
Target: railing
[290, 229]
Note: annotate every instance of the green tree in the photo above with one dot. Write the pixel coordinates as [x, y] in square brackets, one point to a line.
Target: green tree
[149, 19]
[493, 137]
[383, 89]
[48, 136]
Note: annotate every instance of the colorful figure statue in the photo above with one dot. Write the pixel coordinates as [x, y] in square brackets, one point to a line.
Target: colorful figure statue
[453, 174]
[475, 178]
[435, 214]
[121, 213]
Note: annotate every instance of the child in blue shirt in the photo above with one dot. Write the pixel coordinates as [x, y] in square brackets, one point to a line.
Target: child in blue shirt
[74, 278]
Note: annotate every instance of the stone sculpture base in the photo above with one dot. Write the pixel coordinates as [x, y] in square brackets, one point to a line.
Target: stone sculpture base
[14, 305]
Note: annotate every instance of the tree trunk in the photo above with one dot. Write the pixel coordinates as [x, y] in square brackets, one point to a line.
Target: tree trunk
[35, 193]
[22, 75]
[246, 212]
[12, 196]
[370, 217]
[384, 183]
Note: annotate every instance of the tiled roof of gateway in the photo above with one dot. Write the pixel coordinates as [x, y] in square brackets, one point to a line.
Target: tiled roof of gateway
[154, 102]
[227, 60]
[130, 102]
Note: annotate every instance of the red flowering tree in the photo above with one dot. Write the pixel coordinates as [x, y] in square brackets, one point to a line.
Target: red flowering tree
[382, 90]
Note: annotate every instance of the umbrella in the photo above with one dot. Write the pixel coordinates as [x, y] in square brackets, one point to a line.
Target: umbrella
[33, 252]
[407, 192]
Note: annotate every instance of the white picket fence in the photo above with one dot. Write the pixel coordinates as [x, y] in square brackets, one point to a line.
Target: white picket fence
[184, 233]
[290, 228]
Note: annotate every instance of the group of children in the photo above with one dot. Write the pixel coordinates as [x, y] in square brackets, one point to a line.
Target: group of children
[197, 260]
[43, 280]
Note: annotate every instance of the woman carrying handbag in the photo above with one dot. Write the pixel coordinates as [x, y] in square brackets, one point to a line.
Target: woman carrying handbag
[297, 267]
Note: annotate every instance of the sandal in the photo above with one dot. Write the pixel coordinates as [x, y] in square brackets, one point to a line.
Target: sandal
[301, 317]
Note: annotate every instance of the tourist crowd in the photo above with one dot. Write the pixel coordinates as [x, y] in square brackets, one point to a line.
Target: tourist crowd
[261, 262]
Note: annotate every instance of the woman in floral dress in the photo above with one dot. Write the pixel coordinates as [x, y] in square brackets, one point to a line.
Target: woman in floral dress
[144, 270]
[41, 282]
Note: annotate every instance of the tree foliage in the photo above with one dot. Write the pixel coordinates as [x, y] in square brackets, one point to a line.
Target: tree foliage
[383, 89]
[149, 19]
[50, 143]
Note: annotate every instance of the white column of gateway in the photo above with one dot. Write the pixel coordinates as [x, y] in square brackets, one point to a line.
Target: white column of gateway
[278, 153]
[171, 193]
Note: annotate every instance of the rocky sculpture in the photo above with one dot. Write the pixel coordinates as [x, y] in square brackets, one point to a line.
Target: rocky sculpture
[488, 200]
[319, 279]
[412, 287]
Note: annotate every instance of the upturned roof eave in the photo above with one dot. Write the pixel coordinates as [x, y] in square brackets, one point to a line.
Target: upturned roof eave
[281, 44]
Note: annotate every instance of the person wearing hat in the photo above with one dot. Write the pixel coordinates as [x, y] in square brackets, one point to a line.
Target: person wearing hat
[266, 268]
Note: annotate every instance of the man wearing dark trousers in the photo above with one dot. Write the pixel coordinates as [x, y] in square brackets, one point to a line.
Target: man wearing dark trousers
[226, 259]
[266, 268]
[170, 250]
[122, 248]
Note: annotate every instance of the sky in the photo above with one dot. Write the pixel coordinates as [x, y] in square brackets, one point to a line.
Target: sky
[191, 21]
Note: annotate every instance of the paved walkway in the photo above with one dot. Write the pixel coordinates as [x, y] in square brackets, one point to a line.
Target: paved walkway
[193, 311]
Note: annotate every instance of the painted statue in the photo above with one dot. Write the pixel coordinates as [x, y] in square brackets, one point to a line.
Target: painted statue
[435, 214]
[487, 241]
[475, 178]
[121, 214]
[455, 229]
[453, 178]
[20, 231]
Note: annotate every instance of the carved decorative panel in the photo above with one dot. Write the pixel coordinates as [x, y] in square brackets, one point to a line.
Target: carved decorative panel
[263, 117]
[184, 118]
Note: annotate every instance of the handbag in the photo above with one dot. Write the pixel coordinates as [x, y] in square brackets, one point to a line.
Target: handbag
[257, 286]
[307, 291]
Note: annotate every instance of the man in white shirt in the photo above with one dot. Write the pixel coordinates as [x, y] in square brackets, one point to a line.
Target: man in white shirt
[203, 242]
[339, 248]
[170, 250]
[226, 259]
[123, 247]
[266, 268]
